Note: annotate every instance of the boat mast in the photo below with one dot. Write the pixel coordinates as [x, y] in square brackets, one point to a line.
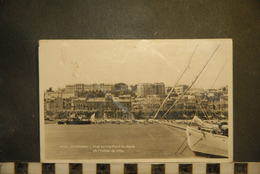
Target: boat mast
[213, 84]
[172, 89]
[193, 82]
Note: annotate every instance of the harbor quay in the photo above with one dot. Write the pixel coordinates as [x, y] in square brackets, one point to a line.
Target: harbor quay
[139, 101]
[102, 121]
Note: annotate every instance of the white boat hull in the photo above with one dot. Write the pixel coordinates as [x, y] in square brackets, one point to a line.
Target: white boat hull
[206, 142]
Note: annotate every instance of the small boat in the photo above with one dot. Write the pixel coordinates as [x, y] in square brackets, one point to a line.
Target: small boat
[140, 121]
[73, 119]
[93, 118]
[78, 121]
[61, 122]
[207, 139]
[151, 121]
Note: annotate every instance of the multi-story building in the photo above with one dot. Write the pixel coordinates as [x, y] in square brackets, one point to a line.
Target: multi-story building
[98, 87]
[49, 94]
[151, 103]
[140, 90]
[148, 100]
[145, 89]
[77, 89]
[159, 89]
[60, 93]
[138, 104]
[53, 105]
[70, 89]
[180, 89]
[107, 104]
[66, 94]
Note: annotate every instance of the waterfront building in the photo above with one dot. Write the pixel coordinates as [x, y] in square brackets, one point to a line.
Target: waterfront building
[152, 103]
[69, 89]
[137, 104]
[98, 87]
[102, 98]
[180, 89]
[145, 89]
[60, 93]
[159, 89]
[50, 94]
[79, 88]
[121, 87]
[108, 104]
[66, 94]
[53, 105]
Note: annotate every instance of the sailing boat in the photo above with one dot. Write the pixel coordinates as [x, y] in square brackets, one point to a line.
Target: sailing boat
[73, 119]
[207, 138]
[106, 120]
[203, 138]
[93, 119]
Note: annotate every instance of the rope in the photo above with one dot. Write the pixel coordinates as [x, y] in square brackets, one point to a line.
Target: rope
[194, 81]
[172, 89]
[181, 145]
[213, 84]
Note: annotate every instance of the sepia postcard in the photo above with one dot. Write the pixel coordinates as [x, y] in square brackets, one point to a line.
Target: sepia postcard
[161, 100]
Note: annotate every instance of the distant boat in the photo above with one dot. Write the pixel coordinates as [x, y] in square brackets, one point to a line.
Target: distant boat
[73, 119]
[105, 116]
[140, 121]
[49, 119]
[61, 122]
[78, 121]
[105, 119]
[151, 121]
[93, 118]
[207, 139]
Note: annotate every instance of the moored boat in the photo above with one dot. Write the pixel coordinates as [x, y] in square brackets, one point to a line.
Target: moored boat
[73, 119]
[78, 121]
[206, 139]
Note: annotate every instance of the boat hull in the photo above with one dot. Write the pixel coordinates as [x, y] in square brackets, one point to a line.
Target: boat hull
[78, 122]
[206, 142]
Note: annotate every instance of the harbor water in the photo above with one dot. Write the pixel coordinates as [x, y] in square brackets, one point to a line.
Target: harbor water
[114, 141]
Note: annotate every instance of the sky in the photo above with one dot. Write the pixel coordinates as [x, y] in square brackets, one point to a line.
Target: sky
[63, 62]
